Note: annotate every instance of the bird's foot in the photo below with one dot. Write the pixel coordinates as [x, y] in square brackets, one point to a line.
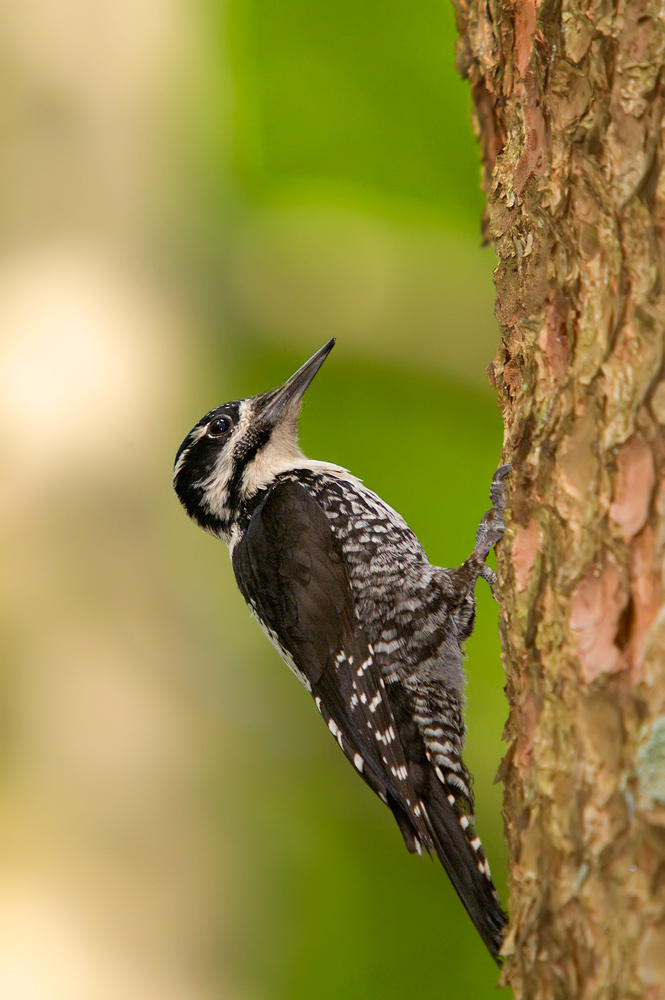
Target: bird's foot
[492, 527]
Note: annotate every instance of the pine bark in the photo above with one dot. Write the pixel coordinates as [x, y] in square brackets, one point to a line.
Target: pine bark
[569, 103]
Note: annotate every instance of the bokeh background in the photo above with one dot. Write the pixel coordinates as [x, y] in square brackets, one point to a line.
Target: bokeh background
[194, 196]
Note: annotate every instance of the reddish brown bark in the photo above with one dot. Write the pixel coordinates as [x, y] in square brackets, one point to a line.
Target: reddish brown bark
[568, 103]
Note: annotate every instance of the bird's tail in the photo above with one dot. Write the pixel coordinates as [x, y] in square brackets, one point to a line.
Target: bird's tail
[460, 852]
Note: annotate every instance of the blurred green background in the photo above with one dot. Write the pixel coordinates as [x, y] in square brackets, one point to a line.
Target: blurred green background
[195, 196]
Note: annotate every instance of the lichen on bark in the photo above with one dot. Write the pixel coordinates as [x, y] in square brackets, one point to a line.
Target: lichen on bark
[568, 105]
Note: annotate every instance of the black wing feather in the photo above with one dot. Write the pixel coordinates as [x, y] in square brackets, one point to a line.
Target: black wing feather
[291, 573]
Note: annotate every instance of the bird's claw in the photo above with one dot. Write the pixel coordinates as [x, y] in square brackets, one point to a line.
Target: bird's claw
[492, 526]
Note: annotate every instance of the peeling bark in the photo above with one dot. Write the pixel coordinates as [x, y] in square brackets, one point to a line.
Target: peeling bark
[569, 101]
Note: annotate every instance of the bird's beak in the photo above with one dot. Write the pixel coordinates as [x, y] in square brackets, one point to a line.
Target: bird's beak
[289, 396]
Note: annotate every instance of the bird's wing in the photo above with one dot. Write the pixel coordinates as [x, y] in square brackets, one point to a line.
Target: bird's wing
[292, 574]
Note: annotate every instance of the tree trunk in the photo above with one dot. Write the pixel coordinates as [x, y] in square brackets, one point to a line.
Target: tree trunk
[568, 102]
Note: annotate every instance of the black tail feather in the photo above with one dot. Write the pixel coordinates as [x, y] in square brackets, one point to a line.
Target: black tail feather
[467, 869]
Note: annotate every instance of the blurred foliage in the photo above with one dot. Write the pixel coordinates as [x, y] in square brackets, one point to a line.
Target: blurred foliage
[356, 108]
[196, 195]
[359, 99]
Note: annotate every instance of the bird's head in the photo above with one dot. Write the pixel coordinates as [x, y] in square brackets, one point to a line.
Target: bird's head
[238, 448]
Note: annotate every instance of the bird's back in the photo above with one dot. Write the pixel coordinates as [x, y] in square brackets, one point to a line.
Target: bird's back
[399, 597]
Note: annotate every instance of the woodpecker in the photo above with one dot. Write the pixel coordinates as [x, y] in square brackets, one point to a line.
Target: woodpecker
[344, 591]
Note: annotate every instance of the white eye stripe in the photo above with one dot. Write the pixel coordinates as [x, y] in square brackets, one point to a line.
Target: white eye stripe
[215, 485]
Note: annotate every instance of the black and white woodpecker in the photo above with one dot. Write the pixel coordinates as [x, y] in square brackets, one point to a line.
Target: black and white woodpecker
[346, 594]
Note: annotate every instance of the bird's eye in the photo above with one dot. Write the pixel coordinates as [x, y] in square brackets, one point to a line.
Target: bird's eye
[219, 426]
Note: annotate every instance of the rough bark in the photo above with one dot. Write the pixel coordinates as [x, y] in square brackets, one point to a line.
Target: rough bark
[569, 101]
